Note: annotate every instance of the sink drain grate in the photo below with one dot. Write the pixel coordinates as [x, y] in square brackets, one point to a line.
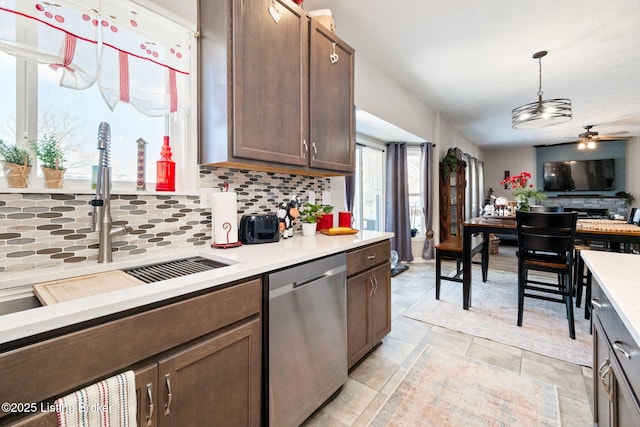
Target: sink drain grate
[172, 269]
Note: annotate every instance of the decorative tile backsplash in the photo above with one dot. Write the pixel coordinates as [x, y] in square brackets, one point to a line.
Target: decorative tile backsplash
[42, 230]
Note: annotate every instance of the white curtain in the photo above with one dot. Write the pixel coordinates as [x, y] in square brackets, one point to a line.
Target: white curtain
[474, 192]
[134, 55]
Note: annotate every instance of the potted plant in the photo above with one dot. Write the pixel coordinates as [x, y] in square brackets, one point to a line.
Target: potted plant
[16, 163]
[451, 162]
[629, 198]
[51, 154]
[310, 215]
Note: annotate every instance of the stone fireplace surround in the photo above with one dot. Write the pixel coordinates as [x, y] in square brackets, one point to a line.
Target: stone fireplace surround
[589, 205]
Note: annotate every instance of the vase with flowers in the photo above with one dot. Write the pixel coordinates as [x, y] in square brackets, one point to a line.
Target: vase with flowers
[523, 191]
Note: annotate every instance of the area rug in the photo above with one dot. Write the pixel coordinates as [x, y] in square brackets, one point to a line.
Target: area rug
[494, 312]
[446, 389]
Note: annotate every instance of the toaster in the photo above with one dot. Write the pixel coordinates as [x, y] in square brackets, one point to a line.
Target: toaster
[258, 228]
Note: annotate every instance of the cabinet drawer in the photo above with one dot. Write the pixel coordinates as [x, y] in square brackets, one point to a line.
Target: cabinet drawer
[367, 257]
[623, 345]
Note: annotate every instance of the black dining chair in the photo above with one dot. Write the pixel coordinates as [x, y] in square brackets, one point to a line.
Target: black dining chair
[538, 208]
[451, 249]
[634, 216]
[545, 244]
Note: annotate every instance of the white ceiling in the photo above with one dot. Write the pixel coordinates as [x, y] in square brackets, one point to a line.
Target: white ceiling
[472, 59]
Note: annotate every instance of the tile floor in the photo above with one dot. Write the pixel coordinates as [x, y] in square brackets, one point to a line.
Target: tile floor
[377, 376]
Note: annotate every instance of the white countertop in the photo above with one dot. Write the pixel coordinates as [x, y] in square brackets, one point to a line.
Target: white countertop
[619, 278]
[245, 261]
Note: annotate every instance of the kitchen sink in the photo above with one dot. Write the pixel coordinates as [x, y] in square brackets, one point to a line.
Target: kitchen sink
[172, 269]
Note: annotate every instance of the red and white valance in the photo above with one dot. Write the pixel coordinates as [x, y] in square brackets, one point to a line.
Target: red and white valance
[134, 54]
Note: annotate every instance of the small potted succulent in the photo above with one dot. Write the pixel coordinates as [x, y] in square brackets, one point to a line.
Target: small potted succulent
[16, 163]
[51, 155]
[310, 215]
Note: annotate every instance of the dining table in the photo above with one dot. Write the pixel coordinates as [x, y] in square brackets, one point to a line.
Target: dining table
[587, 229]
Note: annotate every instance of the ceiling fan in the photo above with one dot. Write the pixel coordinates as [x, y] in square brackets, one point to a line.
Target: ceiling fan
[588, 138]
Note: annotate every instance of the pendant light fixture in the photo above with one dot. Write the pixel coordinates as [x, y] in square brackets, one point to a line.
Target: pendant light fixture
[541, 113]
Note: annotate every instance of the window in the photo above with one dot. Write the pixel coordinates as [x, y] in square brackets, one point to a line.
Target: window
[369, 188]
[415, 200]
[70, 65]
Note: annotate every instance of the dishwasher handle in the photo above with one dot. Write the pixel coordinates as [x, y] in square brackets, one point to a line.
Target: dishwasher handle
[310, 280]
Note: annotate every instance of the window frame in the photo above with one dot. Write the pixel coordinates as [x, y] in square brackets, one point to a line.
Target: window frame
[183, 130]
[358, 187]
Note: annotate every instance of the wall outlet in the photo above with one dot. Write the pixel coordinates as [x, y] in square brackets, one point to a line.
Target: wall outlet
[205, 198]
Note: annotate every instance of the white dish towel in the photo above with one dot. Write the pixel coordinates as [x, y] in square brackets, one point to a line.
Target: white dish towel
[108, 403]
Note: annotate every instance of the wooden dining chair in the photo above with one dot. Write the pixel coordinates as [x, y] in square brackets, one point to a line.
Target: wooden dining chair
[452, 249]
[545, 244]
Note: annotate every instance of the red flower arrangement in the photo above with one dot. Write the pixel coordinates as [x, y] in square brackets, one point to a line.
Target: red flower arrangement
[517, 181]
[298, 1]
[523, 191]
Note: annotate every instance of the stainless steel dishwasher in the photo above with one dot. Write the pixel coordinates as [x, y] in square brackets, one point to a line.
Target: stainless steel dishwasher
[306, 336]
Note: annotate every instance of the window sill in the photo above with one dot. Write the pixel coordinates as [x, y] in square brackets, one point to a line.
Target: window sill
[31, 190]
[77, 186]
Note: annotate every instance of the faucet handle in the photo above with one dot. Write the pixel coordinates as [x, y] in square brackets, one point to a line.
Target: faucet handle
[96, 202]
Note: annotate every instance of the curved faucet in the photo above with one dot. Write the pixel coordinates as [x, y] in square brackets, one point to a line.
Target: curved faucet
[101, 213]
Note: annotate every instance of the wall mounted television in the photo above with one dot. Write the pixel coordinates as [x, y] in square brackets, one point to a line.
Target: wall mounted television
[580, 175]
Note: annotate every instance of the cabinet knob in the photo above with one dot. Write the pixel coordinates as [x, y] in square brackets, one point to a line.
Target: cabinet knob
[305, 149]
[595, 302]
[315, 150]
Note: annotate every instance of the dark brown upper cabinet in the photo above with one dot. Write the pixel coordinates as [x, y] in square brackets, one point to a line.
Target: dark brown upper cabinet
[272, 96]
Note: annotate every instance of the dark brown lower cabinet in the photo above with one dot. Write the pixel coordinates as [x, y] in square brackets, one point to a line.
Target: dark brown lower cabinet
[197, 362]
[616, 368]
[215, 381]
[368, 310]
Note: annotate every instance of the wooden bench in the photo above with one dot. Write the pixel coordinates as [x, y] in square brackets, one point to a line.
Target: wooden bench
[452, 249]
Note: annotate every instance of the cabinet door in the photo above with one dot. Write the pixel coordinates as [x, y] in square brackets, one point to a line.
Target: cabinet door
[215, 382]
[332, 108]
[359, 339]
[601, 377]
[270, 78]
[625, 410]
[381, 302]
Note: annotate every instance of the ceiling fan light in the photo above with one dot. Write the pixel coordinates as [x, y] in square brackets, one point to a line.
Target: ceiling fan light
[581, 145]
[591, 145]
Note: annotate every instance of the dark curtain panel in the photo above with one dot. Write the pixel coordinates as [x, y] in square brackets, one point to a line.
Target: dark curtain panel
[427, 191]
[397, 218]
[349, 191]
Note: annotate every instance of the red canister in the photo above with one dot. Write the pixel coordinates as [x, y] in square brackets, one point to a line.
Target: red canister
[344, 219]
[326, 222]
